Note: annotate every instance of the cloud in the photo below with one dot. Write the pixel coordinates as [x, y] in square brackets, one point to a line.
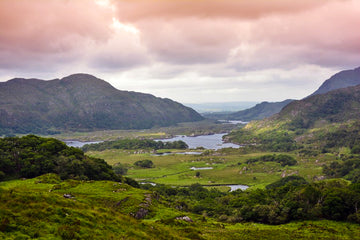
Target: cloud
[250, 34]
[32, 31]
[122, 51]
[188, 41]
[138, 10]
[233, 49]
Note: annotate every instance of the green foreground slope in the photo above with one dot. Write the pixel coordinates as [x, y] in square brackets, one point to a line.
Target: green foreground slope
[37, 209]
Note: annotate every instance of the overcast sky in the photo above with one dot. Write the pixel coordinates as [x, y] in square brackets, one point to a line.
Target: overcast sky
[191, 51]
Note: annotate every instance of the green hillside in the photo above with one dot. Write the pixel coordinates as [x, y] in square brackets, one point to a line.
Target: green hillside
[82, 102]
[319, 118]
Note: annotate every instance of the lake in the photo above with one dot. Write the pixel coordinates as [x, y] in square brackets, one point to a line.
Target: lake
[181, 153]
[232, 122]
[236, 187]
[213, 141]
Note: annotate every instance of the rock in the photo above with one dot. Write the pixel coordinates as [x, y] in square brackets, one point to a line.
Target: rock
[185, 218]
[68, 196]
[141, 213]
[121, 201]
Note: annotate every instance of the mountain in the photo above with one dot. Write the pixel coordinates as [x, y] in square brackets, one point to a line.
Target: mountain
[259, 111]
[82, 102]
[335, 106]
[342, 79]
[330, 119]
[262, 110]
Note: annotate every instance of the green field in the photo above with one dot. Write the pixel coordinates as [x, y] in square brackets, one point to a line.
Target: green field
[229, 167]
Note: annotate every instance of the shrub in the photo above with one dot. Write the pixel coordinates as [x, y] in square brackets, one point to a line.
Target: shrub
[144, 164]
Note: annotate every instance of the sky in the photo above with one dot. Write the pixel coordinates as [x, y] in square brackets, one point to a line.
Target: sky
[192, 51]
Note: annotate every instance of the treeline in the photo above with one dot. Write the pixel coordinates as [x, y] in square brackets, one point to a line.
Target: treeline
[283, 159]
[289, 199]
[32, 156]
[130, 144]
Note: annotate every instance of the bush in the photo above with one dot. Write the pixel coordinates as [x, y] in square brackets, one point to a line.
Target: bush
[120, 169]
[290, 180]
[283, 159]
[144, 164]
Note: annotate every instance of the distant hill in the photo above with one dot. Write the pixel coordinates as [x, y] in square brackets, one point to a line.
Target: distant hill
[82, 102]
[259, 111]
[342, 79]
[219, 107]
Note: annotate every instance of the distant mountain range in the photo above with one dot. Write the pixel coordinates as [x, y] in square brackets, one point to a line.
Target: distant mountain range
[263, 110]
[220, 107]
[259, 111]
[82, 102]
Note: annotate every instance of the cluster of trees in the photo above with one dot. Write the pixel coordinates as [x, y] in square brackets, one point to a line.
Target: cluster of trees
[274, 140]
[349, 168]
[283, 159]
[290, 199]
[32, 156]
[135, 144]
[347, 136]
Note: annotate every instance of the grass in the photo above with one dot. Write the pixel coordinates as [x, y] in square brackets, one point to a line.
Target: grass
[37, 209]
[228, 167]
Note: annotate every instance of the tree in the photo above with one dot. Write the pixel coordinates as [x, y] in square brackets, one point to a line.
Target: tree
[144, 163]
[120, 169]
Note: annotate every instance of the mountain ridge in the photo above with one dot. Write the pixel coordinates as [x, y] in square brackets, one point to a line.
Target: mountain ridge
[342, 79]
[82, 102]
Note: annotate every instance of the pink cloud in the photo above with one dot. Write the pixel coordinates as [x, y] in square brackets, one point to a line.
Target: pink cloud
[50, 24]
[134, 10]
[34, 30]
[188, 41]
[236, 34]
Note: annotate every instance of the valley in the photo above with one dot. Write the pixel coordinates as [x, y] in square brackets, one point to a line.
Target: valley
[298, 171]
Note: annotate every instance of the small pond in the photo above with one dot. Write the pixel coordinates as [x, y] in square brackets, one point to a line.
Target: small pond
[78, 144]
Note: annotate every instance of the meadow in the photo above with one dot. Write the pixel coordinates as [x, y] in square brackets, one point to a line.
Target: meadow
[229, 167]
